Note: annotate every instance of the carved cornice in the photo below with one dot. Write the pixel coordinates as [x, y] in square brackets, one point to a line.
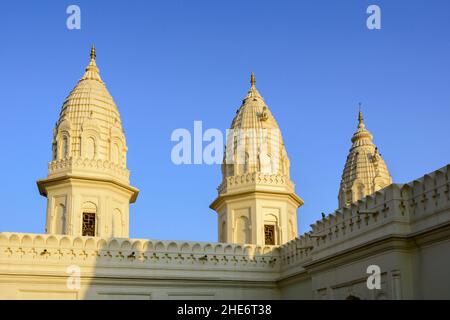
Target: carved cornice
[94, 165]
[255, 178]
[42, 184]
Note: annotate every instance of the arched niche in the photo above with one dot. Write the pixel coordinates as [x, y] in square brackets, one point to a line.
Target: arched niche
[223, 231]
[62, 145]
[62, 140]
[90, 139]
[117, 223]
[242, 230]
[380, 183]
[90, 148]
[59, 219]
[265, 163]
[117, 147]
[292, 230]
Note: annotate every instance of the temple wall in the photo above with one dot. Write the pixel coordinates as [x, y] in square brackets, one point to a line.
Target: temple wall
[32, 265]
[404, 230]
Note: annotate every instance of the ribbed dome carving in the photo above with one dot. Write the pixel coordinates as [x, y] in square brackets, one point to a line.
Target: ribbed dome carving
[256, 200]
[254, 144]
[89, 130]
[365, 172]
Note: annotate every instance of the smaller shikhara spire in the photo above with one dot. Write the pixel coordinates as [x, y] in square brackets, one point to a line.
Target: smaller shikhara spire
[365, 172]
[92, 71]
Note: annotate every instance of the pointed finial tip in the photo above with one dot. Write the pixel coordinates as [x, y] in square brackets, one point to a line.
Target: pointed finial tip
[360, 116]
[93, 55]
[252, 79]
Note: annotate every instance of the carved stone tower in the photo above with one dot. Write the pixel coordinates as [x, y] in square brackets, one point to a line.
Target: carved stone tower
[256, 200]
[88, 187]
[365, 172]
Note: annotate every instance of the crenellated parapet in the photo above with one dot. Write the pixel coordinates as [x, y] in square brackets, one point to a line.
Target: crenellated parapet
[141, 253]
[397, 210]
[427, 195]
[297, 251]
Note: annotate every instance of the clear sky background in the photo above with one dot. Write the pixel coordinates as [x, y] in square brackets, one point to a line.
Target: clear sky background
[169, 63]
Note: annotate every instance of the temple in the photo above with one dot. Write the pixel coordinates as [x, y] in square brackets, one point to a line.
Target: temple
[365, 171]
[385, 240]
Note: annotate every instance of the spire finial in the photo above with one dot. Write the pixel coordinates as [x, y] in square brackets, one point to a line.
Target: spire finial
[92, 71]
[360, 116]
[252, 79]
[93, 55]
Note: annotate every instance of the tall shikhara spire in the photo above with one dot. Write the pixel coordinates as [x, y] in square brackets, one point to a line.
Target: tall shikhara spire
[256, 200]
[365, 172]
[88, 183]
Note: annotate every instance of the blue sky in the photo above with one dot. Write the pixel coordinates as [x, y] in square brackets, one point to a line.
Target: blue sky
[169, 63]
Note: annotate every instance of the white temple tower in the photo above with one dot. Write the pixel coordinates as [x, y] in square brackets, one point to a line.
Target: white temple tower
[256, 200]
[88, 187]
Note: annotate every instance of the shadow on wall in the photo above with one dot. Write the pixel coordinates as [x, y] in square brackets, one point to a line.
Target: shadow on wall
[145, 269]
[45, 266]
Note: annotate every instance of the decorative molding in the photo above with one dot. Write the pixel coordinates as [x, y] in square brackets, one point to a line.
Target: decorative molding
[254, 178]
[94, 165]
[20, 246]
